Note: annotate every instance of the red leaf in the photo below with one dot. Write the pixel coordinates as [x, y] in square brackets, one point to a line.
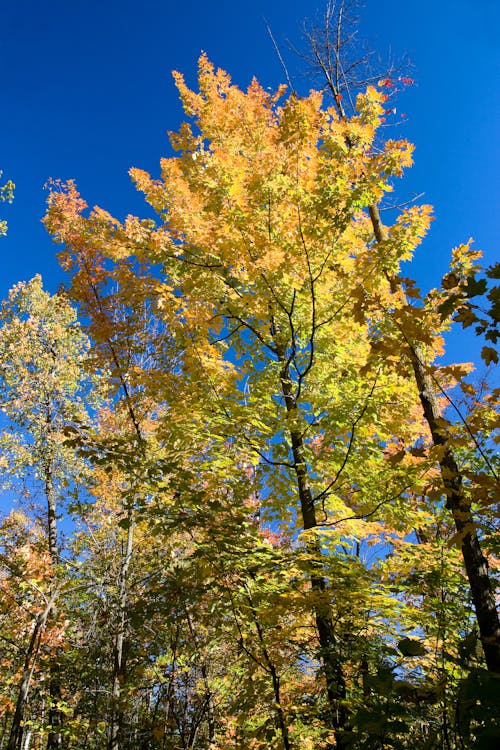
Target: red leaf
[386, 82]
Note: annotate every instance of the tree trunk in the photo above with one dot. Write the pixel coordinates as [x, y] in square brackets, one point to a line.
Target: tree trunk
[119, 660]
[54, 740]
[209, 698]
[275, 677]
[50, 496]
[329, 65]
[329, 652]
[476, 565]
[16, 730]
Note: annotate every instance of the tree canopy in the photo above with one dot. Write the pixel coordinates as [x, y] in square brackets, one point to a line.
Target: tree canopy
[281, 519]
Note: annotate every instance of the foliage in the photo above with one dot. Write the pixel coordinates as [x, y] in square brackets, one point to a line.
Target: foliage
[463, 283]
[261, 556]
[43, 389]
[6, 195]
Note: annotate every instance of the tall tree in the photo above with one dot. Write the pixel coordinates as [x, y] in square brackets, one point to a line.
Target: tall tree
[42, 391]
[268, 267]
[336, 60]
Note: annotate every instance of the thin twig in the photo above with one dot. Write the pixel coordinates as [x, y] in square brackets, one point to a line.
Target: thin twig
[280, 56]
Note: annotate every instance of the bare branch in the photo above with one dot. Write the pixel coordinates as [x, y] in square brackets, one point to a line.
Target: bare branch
[280, 57]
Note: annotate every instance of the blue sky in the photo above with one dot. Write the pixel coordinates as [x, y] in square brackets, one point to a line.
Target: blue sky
[86, 93]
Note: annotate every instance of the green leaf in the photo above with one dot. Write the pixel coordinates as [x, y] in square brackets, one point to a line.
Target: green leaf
[465, 315]
[411, 647]
[448, 306]
[475, 287]
[371, 722]
[489, 355]
[450, 280]
[493, 272]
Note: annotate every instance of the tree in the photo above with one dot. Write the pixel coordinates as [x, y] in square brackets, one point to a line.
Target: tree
[330, 47]
[282, 326]
[42, 391]
[27, 599]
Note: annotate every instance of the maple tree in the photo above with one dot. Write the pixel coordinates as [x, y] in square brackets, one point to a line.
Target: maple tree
[287, 323]
[328, 55]
[273, 485]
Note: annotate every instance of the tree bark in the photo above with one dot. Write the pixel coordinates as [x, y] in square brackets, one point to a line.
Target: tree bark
[54, 740]
[476, 565]
[50, 496]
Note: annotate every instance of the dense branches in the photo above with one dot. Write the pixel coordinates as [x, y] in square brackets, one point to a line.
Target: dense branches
[261, 554]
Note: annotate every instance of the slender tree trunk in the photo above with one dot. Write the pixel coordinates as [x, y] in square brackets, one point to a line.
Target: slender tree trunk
[51, 512]
[54, 740]
[276, 679]
[329, 650]
[209, 699]
[16, 730]
[210, 709]
[55, 714]
[476, 565]
[119, 660]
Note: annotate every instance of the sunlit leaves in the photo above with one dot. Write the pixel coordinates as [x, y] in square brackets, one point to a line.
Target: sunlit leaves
[264, 429]
[6, 196]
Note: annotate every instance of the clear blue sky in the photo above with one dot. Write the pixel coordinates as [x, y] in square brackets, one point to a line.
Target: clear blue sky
[86, 93]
